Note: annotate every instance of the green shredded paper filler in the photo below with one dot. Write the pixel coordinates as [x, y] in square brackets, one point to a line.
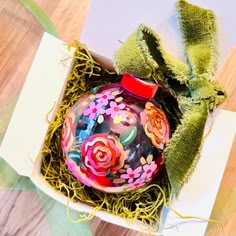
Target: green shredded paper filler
[187, 94]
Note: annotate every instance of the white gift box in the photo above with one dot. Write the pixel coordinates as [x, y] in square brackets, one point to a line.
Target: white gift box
[25, 135]
[28, 126]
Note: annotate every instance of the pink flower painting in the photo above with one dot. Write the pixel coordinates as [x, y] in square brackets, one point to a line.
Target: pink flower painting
[149, 169]
[104, 98]
[136, 184]
[131, 174]
[116, 110]
[93, 110]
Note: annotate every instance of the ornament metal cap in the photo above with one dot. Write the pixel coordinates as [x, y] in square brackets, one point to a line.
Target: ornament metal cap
[138, 87]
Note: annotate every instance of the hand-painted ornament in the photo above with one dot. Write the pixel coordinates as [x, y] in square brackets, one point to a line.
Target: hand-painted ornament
[113, 140]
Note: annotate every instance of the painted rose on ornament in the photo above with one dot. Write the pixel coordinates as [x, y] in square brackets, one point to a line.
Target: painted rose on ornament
[103, 154]
[155, 125]
[68, 132]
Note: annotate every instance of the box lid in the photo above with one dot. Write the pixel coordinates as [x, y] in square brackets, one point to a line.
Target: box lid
[109, 23]
[42, 90]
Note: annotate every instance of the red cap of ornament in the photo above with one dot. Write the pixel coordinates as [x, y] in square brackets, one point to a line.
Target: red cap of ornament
[138, 87]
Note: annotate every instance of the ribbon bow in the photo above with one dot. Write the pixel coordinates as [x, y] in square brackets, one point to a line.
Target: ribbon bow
[190, 84]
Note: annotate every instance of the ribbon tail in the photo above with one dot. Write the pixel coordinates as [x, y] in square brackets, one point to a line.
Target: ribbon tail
[182, 153]
[199, 31]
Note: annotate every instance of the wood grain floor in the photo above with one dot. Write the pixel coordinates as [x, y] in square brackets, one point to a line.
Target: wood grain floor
[13, 209]
[20, 35]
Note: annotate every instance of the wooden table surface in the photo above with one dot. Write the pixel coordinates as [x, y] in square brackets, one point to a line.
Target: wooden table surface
[20, 35]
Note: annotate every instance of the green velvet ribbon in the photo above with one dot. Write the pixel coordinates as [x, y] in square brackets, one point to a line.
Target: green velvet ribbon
[143, 55]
